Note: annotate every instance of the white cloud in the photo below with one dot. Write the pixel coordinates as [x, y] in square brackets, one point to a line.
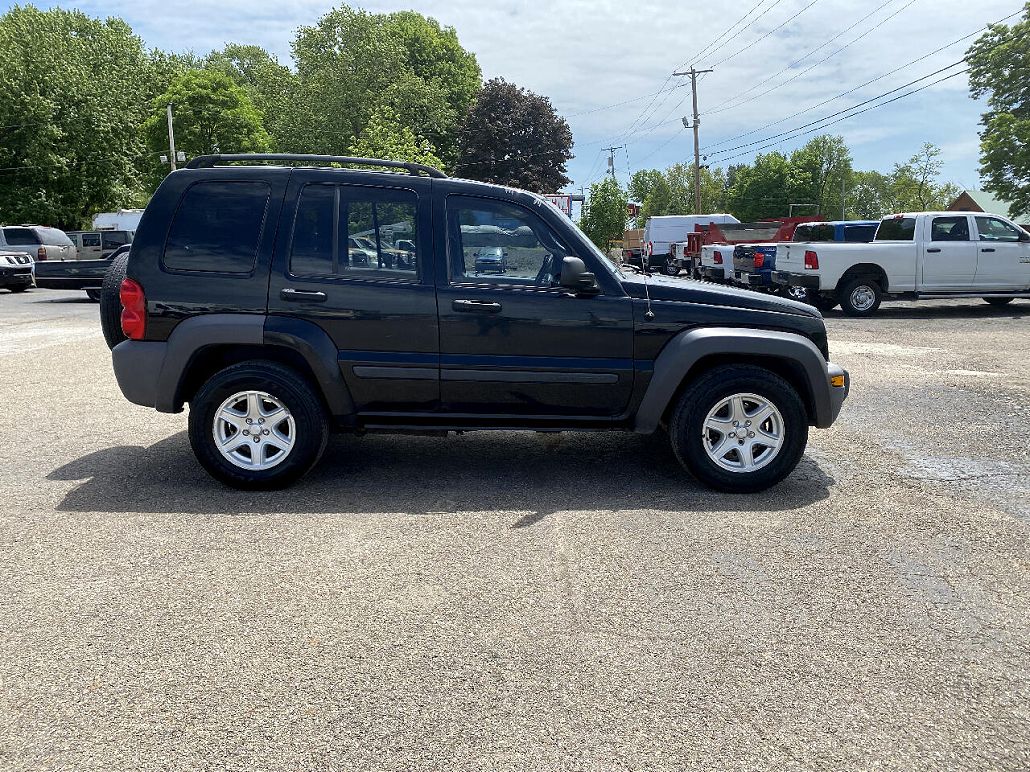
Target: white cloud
[586, 54]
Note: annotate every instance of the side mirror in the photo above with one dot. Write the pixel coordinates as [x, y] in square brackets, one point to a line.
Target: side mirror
[576, 277]
[1024, 236]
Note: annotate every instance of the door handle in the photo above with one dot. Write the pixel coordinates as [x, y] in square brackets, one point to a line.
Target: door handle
[476, 306]
[302, 296]
[987, 249]
[934, 249]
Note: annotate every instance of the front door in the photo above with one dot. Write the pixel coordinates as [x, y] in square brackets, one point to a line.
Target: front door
[512, 342]
[949, 255]
[1004, 263]
[376, 301]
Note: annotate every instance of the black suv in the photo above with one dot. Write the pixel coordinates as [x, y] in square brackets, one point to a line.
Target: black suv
[240, 296]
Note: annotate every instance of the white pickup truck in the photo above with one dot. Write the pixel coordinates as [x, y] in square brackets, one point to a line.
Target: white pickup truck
[913, 256]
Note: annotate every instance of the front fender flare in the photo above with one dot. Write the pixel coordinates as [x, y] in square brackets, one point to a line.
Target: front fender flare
[681, 354]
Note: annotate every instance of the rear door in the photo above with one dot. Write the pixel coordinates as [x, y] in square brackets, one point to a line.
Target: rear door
[949, 253]
[1004, 262]
[89, 246]
[337, 265]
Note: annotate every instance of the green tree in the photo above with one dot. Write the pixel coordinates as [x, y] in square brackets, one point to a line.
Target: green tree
[70, 109]
[386, 137]
[211, 115]
[869, 196]
[816, 174]
[271, 87]
[514, 137]
[759, 190]
[604, 219]
[914, 185]
[351, 62]
[999, 68]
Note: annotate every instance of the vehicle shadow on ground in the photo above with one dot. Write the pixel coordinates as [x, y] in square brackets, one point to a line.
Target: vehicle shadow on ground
[976, 310]
[531, 474]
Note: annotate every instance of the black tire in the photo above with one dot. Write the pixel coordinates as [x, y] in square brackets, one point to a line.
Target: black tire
[846, 297]
[669, 269]
[703, 395]
[999, 301]
[111, 302]
[310, 421]
[19, 288]
[93, 294]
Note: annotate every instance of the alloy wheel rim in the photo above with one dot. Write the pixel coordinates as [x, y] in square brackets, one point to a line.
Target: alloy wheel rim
[743, 433]
[254, 430]
[863, 297]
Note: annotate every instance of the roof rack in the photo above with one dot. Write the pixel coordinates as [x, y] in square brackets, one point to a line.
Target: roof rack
[208, 161]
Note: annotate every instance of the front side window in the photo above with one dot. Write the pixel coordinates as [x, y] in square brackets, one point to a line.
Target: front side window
[21, 237]
[993, 229]
[357, 233]
[897, 229]
[949, 229]
[494, 242]
[217, 227]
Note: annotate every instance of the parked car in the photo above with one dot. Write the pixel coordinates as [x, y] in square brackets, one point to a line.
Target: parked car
[38, 242]
[96, 245]
[274, 342]
[660, 233]
[491, 260]
[15, 270]
[914, 256]
[85, 275]
[714, 260]
[849, 231]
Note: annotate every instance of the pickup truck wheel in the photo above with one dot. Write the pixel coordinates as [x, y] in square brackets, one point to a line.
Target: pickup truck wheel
[999, 301]
[93, 295]
[18, 288]
[257, 426]
[739, 429]
[111, 302]
[671, 270]
[860, 297]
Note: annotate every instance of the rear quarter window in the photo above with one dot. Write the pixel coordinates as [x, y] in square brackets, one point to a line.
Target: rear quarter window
[217, 227]
[897, 229]
[55, 237]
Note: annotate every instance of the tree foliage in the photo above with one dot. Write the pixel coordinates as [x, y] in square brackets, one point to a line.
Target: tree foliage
[72, 96]
[512, 136]
[351, 63]
[604, 218]
[386, 137]
[999, 67]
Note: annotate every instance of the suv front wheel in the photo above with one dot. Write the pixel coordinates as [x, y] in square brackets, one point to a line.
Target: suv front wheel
[739, 429]
[257, 426]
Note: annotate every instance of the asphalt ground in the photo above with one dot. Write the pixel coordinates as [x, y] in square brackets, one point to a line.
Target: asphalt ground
[522, 601]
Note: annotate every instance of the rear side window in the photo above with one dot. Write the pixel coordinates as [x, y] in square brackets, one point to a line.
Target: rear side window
[356, 233]
[859, 233]
[218, 227]
[21, 237]
[949, 229]
[897, 229]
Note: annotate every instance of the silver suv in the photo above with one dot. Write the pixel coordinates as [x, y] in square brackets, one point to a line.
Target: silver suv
[38, 242]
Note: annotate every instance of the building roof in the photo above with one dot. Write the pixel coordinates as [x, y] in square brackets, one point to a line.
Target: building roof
[988, 202]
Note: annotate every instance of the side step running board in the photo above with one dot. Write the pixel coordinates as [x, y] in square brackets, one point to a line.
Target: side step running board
[946, 295]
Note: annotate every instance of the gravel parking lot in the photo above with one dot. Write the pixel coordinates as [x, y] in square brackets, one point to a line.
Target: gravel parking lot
[522, 601]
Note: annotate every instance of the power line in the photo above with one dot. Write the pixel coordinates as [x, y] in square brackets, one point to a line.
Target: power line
[734, 102]
[853, 115]
[711, 46]
[741, 50]
[863, 85]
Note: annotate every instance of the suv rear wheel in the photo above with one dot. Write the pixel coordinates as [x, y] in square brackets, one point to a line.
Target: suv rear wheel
[739, 429]
[257, 426]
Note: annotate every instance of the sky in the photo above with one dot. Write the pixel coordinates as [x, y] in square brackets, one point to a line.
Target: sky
[599, 62]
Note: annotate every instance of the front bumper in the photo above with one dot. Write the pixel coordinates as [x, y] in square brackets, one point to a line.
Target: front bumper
[837, 393]
[789, 279]
[20, 276]
[713, 273]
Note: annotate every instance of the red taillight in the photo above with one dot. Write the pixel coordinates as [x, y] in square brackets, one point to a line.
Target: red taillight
[718, 258]
[759, 259]
[40, 254]
[811, 260]
[134, 310]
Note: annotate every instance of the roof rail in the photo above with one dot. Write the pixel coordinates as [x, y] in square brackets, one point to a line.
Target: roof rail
[208, 161]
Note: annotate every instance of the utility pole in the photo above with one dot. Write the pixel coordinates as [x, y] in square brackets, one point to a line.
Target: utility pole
[171, 140]
[697, 142]
[611, 158]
